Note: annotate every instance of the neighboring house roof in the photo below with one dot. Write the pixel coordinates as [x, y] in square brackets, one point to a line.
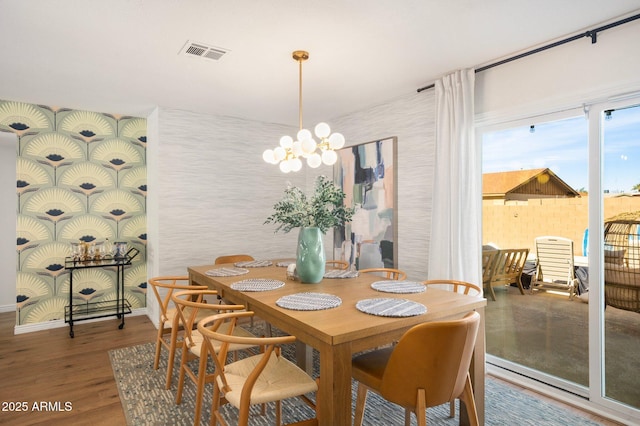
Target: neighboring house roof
[533, 183]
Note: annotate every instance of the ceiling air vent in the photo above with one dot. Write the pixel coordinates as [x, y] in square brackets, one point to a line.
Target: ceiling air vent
[202, 50]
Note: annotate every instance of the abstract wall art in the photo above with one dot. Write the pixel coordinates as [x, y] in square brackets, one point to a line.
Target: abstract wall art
[367, 173]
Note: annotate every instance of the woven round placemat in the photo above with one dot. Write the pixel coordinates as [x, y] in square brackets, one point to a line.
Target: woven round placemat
[341, 273]
[226, 272]
[391, 307]
[308, 301]
[257, 284]
[253, 263]
[399, 286]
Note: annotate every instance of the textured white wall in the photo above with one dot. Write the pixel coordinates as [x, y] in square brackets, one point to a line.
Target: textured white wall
[8, 144]
[214, 191]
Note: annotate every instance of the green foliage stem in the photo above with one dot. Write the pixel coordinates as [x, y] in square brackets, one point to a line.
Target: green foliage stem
[325, 209]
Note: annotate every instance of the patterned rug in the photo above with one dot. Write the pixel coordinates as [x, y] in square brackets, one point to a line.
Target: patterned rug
[146, 402]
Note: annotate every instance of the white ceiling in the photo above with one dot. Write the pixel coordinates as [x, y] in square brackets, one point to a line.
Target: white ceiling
[122, 56]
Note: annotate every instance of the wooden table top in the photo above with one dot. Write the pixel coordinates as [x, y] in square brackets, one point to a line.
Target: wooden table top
[339, 332]
[336, 325]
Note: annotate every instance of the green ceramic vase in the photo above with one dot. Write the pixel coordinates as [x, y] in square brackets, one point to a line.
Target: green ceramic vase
[310, 258]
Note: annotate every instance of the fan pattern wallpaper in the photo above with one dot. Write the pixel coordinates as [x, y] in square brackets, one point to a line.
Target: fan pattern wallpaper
[81, 177]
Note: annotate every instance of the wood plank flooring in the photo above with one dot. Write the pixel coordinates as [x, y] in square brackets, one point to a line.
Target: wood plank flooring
[50, 367]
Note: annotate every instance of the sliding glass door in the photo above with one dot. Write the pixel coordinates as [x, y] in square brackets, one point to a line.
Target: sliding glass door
[573, 175]
[620, 130]
[535, 185]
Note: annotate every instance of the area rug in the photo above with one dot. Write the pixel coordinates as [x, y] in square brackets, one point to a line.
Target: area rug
[146, 402]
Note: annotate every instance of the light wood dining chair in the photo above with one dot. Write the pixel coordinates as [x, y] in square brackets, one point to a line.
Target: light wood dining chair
[191, 307]
[337, 264]
[259, 379]
[427, 367]
[233, 258]
[389, 273]
[455, 286]
[169, 322]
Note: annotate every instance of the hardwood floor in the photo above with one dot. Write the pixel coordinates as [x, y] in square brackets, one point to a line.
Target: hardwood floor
[50, 367]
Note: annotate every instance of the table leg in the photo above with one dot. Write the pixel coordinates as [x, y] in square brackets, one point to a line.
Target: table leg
[304, 357]
[334, 395]
[477, 371]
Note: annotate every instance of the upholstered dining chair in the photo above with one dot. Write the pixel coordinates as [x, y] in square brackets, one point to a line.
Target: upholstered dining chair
[169, 321]
[191, 308]
[233, 258]
[389, 273]
[337, 264]
[457, 287]
[259, 379]
[427, 367]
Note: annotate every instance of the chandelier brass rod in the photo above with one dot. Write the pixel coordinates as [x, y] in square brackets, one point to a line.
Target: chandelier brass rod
[300, 94]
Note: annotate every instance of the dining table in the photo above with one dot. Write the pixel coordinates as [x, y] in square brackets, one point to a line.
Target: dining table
[344, 316]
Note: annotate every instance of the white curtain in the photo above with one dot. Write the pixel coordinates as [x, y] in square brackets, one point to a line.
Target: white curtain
[456, 224]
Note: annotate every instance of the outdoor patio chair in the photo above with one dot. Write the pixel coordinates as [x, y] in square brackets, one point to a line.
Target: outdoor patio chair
[507, 269]
[622, 261]
[554, 257]
[488, 265]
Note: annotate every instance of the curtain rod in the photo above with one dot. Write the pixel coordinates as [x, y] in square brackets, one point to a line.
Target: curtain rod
[592, 34]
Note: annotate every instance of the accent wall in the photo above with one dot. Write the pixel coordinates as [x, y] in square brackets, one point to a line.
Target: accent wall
[81, 177]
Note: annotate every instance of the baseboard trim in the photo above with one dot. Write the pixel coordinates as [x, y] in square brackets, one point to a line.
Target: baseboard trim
[8, 308]
[29, 328]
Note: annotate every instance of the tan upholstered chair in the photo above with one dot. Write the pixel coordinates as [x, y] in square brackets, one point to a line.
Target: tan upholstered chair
[456, 287]
[169, 321]
[233, 258]
[429, 366]
[190, 308]
[259, 379]
[389, 273]
[337, 264]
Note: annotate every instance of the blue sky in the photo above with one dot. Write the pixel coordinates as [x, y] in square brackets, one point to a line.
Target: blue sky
[562, 147]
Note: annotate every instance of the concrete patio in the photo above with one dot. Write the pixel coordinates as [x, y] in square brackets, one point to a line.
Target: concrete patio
[549, 332]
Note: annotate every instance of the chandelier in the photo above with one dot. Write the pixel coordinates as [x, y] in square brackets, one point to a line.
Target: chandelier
[288, 155]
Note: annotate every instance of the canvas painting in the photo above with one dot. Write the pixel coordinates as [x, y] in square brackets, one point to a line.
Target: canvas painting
[367, 175]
